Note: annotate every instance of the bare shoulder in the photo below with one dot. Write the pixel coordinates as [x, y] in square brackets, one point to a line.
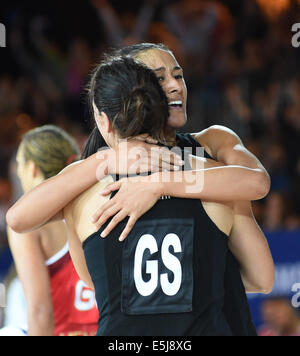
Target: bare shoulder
[70, 165]
[91, 192]
[218, 130]
[83, 197]
[79, 212]
[215, 136]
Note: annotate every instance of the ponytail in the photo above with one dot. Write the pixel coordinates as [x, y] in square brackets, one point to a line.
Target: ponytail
[145, 111]
[131, 97]
[93, 144]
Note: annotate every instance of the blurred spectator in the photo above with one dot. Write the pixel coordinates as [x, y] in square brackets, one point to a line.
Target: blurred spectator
[14, 313]
[199, 25]
[276, 164]
[275, 212]
[280, 318]
[273, 9]
[125, 29]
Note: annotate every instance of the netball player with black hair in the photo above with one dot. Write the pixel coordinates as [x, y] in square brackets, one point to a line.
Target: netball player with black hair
[252, 259]
[160, 288]
[241, 178]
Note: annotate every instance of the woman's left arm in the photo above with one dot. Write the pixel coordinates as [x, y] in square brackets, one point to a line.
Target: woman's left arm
[225, 146]
[238, 176]
[248, 244]
[247, 241]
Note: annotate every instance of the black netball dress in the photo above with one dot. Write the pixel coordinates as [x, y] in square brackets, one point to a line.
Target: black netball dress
[166, 279]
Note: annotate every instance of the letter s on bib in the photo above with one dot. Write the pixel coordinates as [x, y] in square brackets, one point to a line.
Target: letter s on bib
[172, 263]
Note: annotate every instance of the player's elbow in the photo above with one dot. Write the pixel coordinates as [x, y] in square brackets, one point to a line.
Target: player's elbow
[267, 286]
[260, 278]
[261, 185]
[265, 290]
[267, 279]
[261, 289]
[14, 221]
[264, 284]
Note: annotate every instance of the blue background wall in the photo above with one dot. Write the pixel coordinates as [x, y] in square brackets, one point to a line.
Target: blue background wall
[285, 248]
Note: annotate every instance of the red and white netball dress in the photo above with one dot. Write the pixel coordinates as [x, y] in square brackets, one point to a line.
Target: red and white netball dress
[74, 305]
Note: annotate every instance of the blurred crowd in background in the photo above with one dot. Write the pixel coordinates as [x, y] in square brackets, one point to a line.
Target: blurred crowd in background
[239, 65]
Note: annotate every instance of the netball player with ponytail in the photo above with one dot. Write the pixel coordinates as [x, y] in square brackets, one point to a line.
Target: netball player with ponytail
[104, 257]
[57, 301]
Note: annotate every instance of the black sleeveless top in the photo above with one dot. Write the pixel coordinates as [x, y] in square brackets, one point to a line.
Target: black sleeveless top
[166, 279]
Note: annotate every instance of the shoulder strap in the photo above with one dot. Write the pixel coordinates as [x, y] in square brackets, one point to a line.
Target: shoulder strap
[187, 140]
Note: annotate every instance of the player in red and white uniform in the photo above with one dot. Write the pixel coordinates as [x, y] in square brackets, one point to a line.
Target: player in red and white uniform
[57, 301]
[74, 306]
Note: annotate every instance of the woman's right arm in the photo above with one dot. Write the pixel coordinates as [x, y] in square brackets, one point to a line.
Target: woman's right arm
[34, 276]
[76, 249]
[47, 200]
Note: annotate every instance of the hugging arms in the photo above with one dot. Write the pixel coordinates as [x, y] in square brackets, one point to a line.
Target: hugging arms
[239, 179]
